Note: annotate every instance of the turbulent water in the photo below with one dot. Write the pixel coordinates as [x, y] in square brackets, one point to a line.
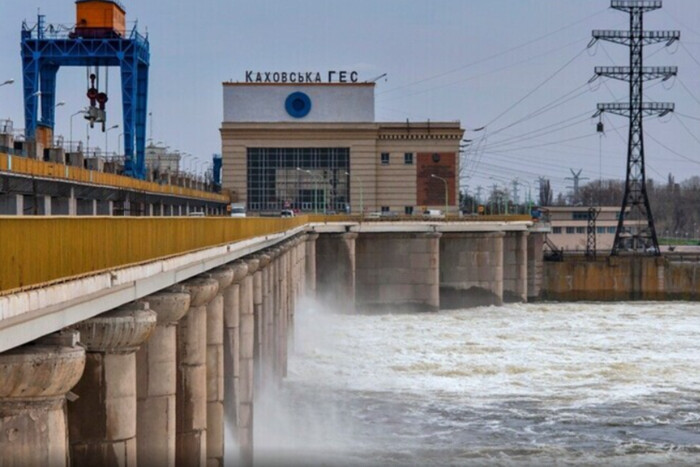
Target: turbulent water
[536, 384]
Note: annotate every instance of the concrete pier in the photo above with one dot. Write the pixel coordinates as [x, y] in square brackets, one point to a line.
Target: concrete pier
[398, 270]
[260, 281]
[215, 369]
[34, 380]
[156, 367]
[247, 354]
[232, 346]
[335, 270]
[102, 421]
[535, 268]
[515, 267]
[191, 396]
[471, 269]
[310, 264]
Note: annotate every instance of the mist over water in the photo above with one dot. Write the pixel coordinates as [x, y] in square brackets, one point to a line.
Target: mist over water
[534, 384]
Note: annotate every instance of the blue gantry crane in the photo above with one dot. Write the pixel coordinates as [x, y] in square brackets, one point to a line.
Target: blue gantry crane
[98, 39]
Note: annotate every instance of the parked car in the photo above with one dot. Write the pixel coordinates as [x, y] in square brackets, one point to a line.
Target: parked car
[238, 211]
[287, 213]
[433, 213]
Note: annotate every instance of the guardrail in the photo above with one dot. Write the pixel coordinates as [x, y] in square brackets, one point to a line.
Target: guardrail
[37, 250]
[36, 168]
[418, 218]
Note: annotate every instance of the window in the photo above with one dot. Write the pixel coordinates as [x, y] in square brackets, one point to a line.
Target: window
[408, 210]
[408, 158]
[580, 215]
[310, 179]
[570, 230]
[600, 230]
[556, 230]
[385, 208]
[580, 230]
[611, 230]
[385, 158]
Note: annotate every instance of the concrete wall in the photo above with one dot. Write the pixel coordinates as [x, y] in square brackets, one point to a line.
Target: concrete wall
[607, 278]
[471, 269]
[622, 278]
[398, 270]
[335, 270]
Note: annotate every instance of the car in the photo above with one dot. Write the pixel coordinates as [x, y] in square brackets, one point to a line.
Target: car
[196, 214]
[238, 210]
[287, 213]
[433, 213]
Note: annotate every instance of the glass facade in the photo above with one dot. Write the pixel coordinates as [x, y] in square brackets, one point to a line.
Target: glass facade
[304, 179]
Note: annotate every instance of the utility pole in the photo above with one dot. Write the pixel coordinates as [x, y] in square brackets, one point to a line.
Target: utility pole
[516, 198]
[576, 179]
[635, 229]
[591, 232]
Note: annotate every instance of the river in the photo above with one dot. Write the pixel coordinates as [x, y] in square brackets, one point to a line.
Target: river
[523, 384]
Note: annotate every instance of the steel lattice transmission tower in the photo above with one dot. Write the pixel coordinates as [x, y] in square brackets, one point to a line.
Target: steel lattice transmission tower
[635, 228]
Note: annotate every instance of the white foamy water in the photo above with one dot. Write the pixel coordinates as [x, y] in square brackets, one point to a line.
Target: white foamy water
[535, 384]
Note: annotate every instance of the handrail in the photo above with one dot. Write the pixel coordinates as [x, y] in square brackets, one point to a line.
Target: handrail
[33, 167]
[39, 249]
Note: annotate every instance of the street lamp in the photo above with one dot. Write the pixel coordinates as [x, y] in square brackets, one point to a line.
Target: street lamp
[529, 191]
[113, 127]
[316, 188]
[71, 124]
[9, 81]
[362, 208]
[446, 191]
[505, 191]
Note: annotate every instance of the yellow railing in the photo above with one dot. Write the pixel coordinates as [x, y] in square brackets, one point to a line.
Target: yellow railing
[36, 250]
[38, 168]
[467, 218]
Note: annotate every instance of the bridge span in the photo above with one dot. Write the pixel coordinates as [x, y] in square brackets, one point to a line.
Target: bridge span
[130, 340]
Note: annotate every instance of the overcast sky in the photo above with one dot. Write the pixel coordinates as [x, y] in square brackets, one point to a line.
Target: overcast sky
[518, 67]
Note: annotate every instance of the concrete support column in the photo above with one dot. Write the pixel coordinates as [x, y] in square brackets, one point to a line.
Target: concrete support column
[535, 261]
[47, 205]
[215, 369]
[191, 395]
[310, 260]
[286, 288]
[102, 421]
[156, 383]
[399, 270]
[72, 203]
[34, 380]
[19, 203]
[515, 267]
[260, 286]
[271, 345]
[335, 268]
[247, 355]
[232, 346]
[471, 269]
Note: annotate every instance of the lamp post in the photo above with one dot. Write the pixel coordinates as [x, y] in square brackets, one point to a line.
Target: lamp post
[113, 127]
[71, 124]
[505, 191]
[446, 191]
[119, 143]
[9, 81]
[315, 188]
[362, 207]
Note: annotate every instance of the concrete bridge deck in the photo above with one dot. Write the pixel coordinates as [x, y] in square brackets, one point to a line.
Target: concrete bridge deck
[133, 339]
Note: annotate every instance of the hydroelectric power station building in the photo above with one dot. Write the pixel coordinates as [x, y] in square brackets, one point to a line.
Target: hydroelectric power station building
[313, 144]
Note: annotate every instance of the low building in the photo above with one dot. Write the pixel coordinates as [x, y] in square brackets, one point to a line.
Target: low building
[316, 147]
[569, 226]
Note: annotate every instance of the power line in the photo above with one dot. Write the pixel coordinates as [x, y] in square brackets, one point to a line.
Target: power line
[491, 57]
[549, 78]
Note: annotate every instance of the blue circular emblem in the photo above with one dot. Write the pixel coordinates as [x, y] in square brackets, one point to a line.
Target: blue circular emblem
[298, 105]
